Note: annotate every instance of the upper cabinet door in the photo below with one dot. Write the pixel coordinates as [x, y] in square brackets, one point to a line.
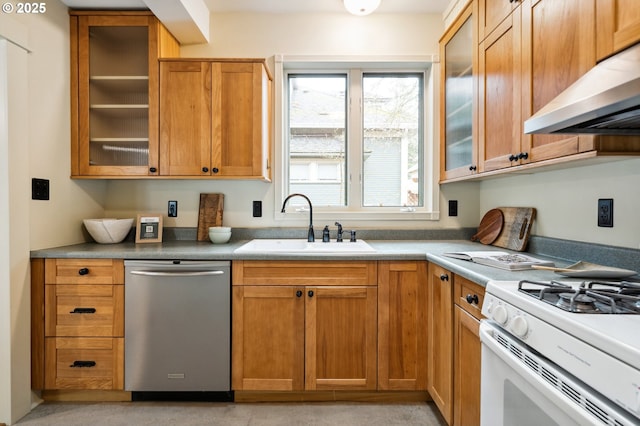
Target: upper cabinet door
[552, 61]
[491, 13]
[499, 86]
[240, 119]
[215, 119]
[458, 112]
[114, 92]
[185, 118]
[617, 25]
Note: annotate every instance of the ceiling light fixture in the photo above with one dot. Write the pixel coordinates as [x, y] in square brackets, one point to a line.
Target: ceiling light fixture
[361, 7]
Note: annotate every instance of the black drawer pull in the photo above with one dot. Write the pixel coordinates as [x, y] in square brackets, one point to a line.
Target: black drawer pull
[472, 299]
[81, 364]
[83, 271]
[83, 311]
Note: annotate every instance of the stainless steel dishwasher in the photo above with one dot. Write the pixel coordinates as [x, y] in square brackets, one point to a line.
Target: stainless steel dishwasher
[177, 329]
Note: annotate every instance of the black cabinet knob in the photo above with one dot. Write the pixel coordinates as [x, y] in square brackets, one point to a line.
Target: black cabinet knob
[513, 157]
[205, 170]
[473, 168]
[153, 169]
[215, 170]
[310, 293]
[299, 293]
[523, 155]
[472, 298]
[83, 271]
[444, 277]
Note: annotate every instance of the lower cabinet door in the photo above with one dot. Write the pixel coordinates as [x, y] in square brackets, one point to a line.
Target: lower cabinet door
[84, 363]
[268, 338]
[466, 406]
[402, 325]
[341, 338]
[440, 340]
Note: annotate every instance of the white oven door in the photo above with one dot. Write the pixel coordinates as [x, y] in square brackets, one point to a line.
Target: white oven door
[516, 388]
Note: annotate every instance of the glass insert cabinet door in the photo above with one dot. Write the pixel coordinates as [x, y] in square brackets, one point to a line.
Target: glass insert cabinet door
[458, 85]
[115, 102]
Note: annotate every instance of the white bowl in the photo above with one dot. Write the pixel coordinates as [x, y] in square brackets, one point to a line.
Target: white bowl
[108, 231]
[219, 237]
[220, 229]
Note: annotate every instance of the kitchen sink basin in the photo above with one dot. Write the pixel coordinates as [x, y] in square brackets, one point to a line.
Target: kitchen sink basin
[302, 247]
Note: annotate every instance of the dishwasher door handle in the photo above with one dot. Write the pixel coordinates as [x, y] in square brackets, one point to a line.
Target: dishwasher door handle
[177, 273]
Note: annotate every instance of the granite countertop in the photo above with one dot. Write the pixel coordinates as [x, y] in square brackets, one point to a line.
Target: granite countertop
[430, 250]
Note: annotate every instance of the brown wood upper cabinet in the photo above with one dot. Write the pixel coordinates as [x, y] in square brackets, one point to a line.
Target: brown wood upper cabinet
[458, 121]
[551, 61]
[525, 62]
[215, 118]
[617, 25]
[491, 13]
[499, 96]
[114, 92]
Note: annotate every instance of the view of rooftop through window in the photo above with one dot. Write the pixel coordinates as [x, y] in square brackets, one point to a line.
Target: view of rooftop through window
[387, 137]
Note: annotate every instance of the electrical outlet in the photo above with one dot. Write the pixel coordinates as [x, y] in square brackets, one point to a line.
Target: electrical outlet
[39, 189]
[453, 207]
[257, 209]
[173, 209]
[605, 212]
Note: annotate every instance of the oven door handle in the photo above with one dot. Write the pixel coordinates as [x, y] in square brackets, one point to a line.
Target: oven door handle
[538, 372]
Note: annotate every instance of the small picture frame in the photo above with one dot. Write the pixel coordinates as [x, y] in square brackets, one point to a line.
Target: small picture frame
[149, 228]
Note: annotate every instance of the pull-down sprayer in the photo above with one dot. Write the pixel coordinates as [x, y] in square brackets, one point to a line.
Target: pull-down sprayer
[310, 235]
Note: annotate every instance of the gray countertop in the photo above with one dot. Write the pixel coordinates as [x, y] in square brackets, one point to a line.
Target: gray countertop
[431, 250]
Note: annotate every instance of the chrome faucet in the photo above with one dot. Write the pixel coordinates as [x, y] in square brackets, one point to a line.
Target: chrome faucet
[310, 235]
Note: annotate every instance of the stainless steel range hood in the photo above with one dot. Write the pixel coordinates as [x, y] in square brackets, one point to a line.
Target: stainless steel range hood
[606, 100]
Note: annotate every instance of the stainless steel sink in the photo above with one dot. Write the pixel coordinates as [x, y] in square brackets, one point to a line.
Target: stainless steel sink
[302, 247]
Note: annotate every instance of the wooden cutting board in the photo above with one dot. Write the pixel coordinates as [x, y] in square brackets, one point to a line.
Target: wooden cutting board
[210, 214]
[490, 227]
[516, 227]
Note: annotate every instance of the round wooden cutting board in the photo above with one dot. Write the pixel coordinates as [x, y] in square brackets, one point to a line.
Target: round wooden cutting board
[490, 227]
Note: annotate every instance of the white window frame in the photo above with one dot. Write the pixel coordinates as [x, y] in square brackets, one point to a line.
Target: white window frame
[318, 64]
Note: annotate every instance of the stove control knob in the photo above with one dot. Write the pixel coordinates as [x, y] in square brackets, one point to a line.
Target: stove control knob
[519, 326]
[500, 314]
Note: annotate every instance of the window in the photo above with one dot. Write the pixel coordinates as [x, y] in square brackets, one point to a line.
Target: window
[354, 138]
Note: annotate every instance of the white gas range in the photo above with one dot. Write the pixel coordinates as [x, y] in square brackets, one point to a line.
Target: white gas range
[561, 353]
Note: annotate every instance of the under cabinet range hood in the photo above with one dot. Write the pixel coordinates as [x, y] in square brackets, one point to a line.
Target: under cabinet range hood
[606, 100]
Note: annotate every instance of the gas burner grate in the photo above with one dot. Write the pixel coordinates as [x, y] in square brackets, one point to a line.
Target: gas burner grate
[593, 297]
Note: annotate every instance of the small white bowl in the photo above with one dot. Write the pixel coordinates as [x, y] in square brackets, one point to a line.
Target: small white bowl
[220, 229]
[108, 231]
[219, 237]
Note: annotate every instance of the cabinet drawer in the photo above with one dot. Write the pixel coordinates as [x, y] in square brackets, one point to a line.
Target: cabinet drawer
[468, 295]
[84, 363]
[304, 273]
[72, 310]
[84, 271]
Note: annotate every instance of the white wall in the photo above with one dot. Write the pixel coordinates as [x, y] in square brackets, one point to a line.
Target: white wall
[14, 223]
[566, 201]
[59, 220]
[265, 35]
[36, 144]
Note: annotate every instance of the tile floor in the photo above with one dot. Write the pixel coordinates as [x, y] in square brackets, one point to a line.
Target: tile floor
[249, 414]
